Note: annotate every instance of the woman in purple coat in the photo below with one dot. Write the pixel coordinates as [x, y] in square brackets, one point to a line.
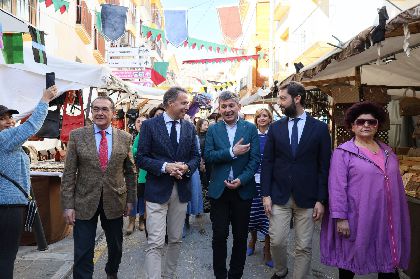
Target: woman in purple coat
[367, 226]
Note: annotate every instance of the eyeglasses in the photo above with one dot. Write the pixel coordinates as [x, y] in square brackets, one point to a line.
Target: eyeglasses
[98, 109]
[370, 122]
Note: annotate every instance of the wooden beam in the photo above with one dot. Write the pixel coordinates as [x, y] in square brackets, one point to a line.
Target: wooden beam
[328, 81]
[358, 77]
[142, 104]
[273, 109]
[417, 88]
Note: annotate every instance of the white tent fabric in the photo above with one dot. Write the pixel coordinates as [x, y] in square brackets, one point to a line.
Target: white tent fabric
[21, 85]
[12, 24]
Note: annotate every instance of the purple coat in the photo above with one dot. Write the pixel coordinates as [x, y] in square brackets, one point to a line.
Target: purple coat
[374, 203]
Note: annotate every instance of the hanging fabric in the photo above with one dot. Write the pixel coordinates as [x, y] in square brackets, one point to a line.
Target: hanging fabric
[230, 22]
[38, 45]
[113, 21]
[12, 48]
[71, 122]
[176, 26]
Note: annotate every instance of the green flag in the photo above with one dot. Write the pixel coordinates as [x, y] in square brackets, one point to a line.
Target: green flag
[13, 48]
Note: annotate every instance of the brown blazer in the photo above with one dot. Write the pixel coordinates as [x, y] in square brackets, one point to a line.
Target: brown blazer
[83, 181]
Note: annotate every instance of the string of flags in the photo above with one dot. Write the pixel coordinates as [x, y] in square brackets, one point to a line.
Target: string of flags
[224, 59]
[61, 5]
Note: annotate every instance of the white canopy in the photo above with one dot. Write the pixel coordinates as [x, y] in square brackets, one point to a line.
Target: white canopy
[10, 23]
[21, 85]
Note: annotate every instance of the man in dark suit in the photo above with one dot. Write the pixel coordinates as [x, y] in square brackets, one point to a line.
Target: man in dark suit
[168, 151]
[294, 179]
[232, 148]
[98, 180]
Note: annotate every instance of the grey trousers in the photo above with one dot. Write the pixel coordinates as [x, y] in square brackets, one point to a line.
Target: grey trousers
[159, 216]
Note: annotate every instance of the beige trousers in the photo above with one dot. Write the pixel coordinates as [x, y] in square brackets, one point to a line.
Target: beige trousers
[279, 235]
[171, 214]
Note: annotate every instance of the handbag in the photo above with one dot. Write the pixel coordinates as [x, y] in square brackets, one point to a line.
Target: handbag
[31, 207]
[409, 106]
[71, 122]
[51, 127]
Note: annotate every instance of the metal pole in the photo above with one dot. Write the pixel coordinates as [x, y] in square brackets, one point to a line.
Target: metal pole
[41, 241]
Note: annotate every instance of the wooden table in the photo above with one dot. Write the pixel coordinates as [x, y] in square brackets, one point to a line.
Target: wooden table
[46, 189]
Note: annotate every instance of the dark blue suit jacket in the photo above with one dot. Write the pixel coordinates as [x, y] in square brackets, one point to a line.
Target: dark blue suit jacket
[305, 176]
[155, 148]
[216, 153]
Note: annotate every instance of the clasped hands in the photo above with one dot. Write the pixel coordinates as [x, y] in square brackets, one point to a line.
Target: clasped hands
[176, 169]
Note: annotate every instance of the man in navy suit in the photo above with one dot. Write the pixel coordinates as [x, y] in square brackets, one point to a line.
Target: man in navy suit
[232, 148]
[168, 151]
[294, 179]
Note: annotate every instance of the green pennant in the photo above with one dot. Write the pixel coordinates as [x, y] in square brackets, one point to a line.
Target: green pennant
[154, 33]
[98, 21]
[13, 48]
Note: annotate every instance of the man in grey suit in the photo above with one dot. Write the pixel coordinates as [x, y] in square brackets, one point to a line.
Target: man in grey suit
[168, 151]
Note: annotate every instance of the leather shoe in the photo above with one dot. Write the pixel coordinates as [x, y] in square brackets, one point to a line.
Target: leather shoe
[275, 276]
[112, 276]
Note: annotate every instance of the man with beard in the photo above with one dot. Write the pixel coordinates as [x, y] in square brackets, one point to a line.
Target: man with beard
[232, 148]
[168, 151]
[294, 179]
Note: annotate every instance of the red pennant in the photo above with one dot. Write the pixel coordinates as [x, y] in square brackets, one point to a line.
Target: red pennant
[201, 47]
[48, 3]
[225, 50]
[185, 43]
[62, 9]
[210, 48]
[194, 45]
[149, 34]
[218, 49]
[158, 37]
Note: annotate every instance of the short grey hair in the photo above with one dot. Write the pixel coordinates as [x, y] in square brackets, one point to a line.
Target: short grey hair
[105, 98]
[228, 95]
[172, 94]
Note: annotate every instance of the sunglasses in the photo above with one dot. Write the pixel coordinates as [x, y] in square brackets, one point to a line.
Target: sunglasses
[370, 122]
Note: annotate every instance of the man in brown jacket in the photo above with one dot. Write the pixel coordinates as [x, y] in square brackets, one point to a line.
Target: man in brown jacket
[98, 180]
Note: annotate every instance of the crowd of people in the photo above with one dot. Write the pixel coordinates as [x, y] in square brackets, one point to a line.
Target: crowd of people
[260, 178]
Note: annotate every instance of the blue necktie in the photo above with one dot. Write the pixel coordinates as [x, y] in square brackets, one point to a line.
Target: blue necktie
[173, 136]
[294, 138]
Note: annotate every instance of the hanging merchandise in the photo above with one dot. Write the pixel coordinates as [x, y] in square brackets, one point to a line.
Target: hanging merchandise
[113, 19]
[159, 72]
[1, 36]
[61, 5]
[51, 127]
[13, 48]
[152, 33]
[223, 59]
[38, 45]
[98, 21]
[230, 22]
[176, 26]
[71, 122]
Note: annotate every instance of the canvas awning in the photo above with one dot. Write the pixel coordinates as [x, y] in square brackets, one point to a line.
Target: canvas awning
[10, 23]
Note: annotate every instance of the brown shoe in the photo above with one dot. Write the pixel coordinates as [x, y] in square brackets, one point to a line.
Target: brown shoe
[131, 225]
[141, 223]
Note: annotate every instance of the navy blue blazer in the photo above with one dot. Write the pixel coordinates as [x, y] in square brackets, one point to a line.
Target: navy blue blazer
[305, 176]
[154, 149]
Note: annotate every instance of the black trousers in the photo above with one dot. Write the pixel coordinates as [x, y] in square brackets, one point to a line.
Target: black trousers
[347, 274]
[84, 233]
[11, 220]
[226, 210]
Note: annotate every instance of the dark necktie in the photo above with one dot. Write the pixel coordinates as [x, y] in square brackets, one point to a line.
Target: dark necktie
[294, 138]
[173, 136]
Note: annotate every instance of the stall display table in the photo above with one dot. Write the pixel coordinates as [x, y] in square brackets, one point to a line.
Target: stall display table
[46, 189]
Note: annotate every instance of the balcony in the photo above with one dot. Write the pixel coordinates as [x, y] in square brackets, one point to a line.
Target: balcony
[83, 22]
[99, 48]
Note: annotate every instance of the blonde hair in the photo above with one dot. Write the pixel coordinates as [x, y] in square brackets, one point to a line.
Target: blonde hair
[259, 112]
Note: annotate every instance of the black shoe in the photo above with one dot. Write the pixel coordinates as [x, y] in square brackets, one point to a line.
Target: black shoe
[275, 276]
[112, 276]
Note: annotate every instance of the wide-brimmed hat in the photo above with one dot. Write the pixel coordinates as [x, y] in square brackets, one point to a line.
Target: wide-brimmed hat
[4, 110]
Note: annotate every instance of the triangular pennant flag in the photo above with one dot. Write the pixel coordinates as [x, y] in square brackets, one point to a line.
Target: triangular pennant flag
[13, 48]
[159, 72]
[61, 5]
[113, 21]
[1, 36]
[38, 45]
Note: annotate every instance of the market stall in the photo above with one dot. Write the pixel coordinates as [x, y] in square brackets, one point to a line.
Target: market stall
[386, 72]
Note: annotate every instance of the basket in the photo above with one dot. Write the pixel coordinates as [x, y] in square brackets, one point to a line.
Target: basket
[409, 106]
[376, 94]
[345, 94]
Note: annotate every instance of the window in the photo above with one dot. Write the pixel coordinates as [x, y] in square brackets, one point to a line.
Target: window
[6, 5]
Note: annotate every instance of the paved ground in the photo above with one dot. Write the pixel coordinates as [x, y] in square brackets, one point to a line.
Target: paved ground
[196, 256]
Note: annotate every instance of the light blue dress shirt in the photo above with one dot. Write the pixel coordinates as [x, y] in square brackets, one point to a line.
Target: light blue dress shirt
[98, 138]
[300, 126]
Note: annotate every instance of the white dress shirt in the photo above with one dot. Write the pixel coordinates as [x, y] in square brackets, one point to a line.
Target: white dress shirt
[300, 126]
[98, 138]
[231, 131]
[168, 122]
